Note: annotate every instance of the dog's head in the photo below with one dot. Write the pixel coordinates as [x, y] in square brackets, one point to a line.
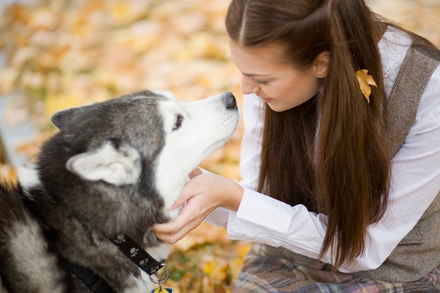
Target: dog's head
[115, 162]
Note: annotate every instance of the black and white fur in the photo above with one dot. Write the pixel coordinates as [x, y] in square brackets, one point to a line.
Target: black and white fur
[113, 168]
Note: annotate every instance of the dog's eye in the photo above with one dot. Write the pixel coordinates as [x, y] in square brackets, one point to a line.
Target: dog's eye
[178, 122]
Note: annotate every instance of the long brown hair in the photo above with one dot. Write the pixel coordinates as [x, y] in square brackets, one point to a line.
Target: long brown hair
[330, 153]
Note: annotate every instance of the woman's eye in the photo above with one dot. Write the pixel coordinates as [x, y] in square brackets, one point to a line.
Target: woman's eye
[261, 82]
[178, 122]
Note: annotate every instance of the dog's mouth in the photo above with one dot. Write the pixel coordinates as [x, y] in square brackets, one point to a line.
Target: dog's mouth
[214, 146]
[220, 142]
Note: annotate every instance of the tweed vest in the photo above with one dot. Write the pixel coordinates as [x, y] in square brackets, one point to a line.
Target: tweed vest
[419, 252]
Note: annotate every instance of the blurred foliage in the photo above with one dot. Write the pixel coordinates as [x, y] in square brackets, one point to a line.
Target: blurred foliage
[420, 16]
[66, 53]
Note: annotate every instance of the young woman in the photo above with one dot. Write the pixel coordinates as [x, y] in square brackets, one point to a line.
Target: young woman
[340, 185]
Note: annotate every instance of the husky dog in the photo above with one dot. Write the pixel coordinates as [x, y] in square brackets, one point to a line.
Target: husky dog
[114, 168]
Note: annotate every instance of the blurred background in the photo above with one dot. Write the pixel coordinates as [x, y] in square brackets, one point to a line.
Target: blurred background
[62, 53]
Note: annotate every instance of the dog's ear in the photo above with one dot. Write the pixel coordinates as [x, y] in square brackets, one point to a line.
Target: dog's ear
[114, 164]
[59, 118]
[63, 117]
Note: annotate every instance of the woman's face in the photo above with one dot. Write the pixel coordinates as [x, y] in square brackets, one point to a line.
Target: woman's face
[276, 82]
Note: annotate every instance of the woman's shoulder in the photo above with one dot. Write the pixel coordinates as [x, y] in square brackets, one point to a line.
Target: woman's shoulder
[393, 48]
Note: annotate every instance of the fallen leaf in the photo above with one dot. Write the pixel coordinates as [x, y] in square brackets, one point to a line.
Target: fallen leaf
[365, 82]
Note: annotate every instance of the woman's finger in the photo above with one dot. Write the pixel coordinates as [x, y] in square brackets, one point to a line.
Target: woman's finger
[195, 172]
[172, 232]
[190, 190]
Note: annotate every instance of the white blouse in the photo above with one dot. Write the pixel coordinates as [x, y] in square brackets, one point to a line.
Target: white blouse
[415, 180]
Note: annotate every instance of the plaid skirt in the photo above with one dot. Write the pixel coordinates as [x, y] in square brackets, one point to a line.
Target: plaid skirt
[266, 272]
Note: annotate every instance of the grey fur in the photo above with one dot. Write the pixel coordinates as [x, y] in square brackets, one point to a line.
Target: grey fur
[83, 209]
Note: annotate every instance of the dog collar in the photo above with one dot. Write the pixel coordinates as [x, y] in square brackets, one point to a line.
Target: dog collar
[142, 259]
[138, 255]
[129, 248]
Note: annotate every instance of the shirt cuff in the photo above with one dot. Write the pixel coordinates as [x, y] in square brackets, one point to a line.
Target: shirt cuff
[218, 217]
[270, 219]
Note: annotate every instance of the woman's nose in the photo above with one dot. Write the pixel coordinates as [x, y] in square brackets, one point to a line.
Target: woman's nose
[248, 85]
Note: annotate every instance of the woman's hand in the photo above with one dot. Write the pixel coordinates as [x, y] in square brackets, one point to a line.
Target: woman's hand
[202, 194]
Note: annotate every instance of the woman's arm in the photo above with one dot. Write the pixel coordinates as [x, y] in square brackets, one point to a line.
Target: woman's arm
[199, 197]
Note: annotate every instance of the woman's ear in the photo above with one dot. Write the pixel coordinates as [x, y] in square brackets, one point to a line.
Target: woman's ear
[321, 64]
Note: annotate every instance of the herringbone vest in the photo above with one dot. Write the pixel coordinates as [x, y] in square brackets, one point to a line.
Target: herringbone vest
[419, 252]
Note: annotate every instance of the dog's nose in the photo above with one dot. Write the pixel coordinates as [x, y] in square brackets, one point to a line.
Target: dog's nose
[229, 101]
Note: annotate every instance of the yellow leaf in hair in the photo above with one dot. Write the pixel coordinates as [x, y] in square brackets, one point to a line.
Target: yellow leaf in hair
[365, 82]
